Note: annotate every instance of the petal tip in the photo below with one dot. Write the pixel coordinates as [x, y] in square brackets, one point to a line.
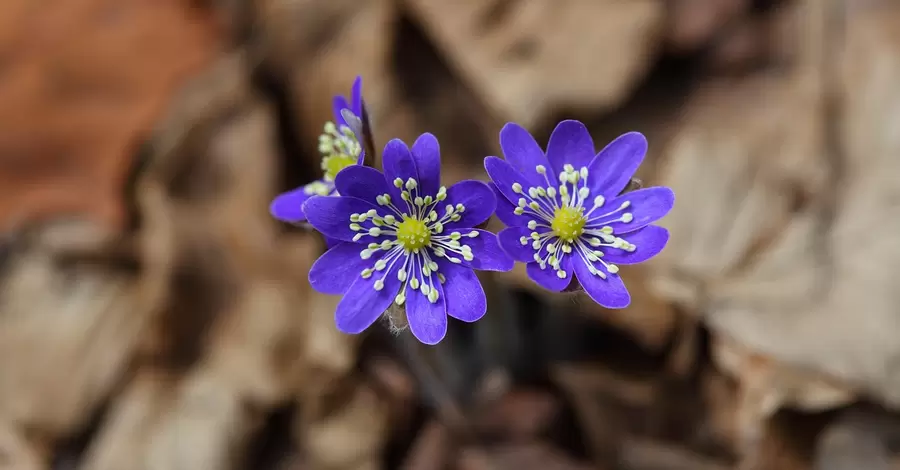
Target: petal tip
[281, 209]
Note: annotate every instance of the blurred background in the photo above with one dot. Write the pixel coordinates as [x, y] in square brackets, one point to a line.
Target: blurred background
[154, 316]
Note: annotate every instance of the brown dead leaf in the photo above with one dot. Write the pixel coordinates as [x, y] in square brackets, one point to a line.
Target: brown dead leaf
[649, 455]
[529, 58]
[695, 23]
[82, 85]
[855, 440]
[17, 453]
[778, 276]
[66, 333]
[520, 415]
[351, 436]
[431, 450]
[525, 456]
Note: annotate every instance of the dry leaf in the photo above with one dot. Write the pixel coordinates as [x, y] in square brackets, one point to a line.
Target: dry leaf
[529, 58]
[82, 85]
[801, 297]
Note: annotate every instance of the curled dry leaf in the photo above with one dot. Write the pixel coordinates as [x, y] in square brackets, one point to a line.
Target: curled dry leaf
[225, 348]
[760, 246]
[351, 436]
[81, 87]
[66, 333]
[16, 452]
[583, 55]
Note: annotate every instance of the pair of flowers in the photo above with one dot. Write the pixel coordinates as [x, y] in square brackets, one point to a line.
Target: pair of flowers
[399, 240]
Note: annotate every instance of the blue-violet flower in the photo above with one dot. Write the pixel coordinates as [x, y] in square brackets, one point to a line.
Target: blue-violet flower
[567, 219]
[407, 243]
[339, 147]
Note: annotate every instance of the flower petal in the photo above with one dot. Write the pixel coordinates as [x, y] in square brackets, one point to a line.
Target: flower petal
[649, 241]
[331, 215]
[612, 168]
[504, 176]
[337, 104]
[362, 304]
[524, 154]
[356, 96]
[477, 198]
[609, 292]
[361, 182]
[288, 207]
[547, 278]
[570, 143]
[463, 292]
[397, 162]
[331, 242]
[427, 321]
[335, 271]
[505, 210]
[426, 153]
[488, 256]
[510, 241]
[646, 206]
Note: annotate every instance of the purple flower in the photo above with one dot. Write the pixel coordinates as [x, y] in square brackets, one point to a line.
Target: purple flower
[406, 241]
[339, 147]
[567, 219]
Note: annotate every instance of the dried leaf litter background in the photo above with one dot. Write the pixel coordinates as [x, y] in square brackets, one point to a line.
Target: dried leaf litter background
[153, 316]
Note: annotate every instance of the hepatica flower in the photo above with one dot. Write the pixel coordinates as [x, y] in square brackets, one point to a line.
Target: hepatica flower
[567, 219]
[339, 147]
[406, 243]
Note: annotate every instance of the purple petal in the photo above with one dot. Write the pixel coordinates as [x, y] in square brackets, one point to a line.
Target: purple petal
[488, 256]
[356, 96]
[649, 241]
[505, 210]
[646, 206]
[478, 199]
[510, 241]
[398, 163]
[361, 159]
[463, 292]
[612, 168]
[427, 321]
[547, 278]
[570, 143]
[337, 104]
[331, 215]
[362, 304]
[288, 207]
[524, 154]
[335, 270]
[331, 242]
[361, 182]
[426, 153]
[609, 292]
[504, 176]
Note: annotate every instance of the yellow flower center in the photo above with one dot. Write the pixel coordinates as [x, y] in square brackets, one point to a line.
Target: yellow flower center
[413, 234]
[333, 164]
[568, 223]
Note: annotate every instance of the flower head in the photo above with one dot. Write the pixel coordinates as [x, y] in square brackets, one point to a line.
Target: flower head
[566, 215]
[405, 241]
[340, 147]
